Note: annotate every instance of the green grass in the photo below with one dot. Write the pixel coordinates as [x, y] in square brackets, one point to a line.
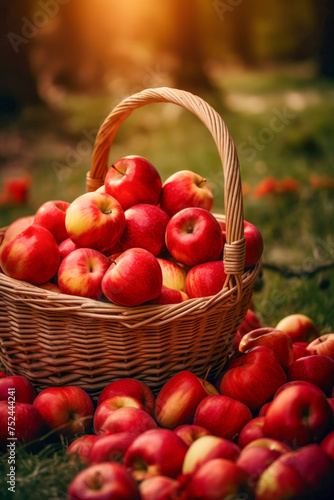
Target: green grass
[297, 228]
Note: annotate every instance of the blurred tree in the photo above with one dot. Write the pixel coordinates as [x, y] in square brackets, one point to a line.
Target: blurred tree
[325, 27]
[18, 83]
[242, 20]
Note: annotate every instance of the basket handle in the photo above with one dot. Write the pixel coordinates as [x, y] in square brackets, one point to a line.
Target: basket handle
[234, 250]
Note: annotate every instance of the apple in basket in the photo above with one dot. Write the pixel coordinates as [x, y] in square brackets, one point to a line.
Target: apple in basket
[16, 228]
[173, 275]
[51, 215]
[169, 296]
[205, 279]
[193, 236]
[33, 255]
[185, 189]
[254, 242]
[145, 228]
[95, 220]
[132, 180]
[133, 278]
[81, 273]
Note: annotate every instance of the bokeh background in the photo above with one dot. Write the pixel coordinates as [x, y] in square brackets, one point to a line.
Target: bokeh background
[266, 66]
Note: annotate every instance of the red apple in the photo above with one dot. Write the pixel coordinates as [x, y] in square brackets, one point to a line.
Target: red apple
[50, 287]
[206, 448]
[111, 404]
[219, 479]
[110, 447]
[24, 391]
[155, 452]
[205, 279]
[133, 180]
[145, 228]
[178, 399]
[81, 273]
[223, 416]
[127, 419]
[251, 431]
[107, 480]
[299, 415]
[331, 404]
[299, 351]
[319, 370]
[51, 215]
[16, 228]
[169, 296]
[130, 387]
[300, 328]
[193, 236]
[159, 488]
[3, 375]
[327, 444]
[19, 424]
[245, 380]
[279, 342]
[298, 382]
[323, 345]
[80, 448]
[66, 410]
[264, 408]
[66, 247]
[135, 277]
[271, 444]
[251, 322]
[33, 255]
[255, 460]
[190, 432]
[173, 275]
[185, 189]
[254, 242]
[95, 220]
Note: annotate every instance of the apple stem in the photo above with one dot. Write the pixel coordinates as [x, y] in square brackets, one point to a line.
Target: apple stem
[113, 166]
[203, 181]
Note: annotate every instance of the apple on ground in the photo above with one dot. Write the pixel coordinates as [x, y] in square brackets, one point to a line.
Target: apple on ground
[323, 345]
[127, 419]
[169, 296]
[32, 256]
[133, 180]
[264, 408]
[112, 251]
[279, 342]
[219, 479]
[3, 375]
[51, 215]
[130, 387]
[271, 444]
[102, 481]
[95, 220]
[111, 404]
[26, 424]
[185, 189]
[327, 444]
[254, 460]
[317, 369]
[300, 328]
[173, 275]
[160, 488]
[20, 388]
[245, 380]
[81, 273]
[254, 243]
[80, 448]
[145, 228]
[223, 416]
[205, 279]
[299, 351]
[331, 404]
[156, 452]
[110, 447]
[178, 399]
[66, 247]
[134, 278]
[190, 432]
[251, 431]
[299, 415]
[251, 322]
[16, 228]
[298, 382]
[206, 448]
[193, 236]
[316, 469]
[66, 410]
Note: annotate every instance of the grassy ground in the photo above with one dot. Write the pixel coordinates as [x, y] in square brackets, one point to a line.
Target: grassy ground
[282, 124]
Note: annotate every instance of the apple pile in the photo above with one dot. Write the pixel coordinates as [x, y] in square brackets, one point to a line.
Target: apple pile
[130, 242]
[263, 429]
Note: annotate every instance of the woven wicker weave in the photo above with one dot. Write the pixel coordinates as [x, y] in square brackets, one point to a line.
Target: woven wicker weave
[56, 339]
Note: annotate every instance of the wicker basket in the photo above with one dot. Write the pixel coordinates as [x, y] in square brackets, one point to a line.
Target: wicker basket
[63, 340]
